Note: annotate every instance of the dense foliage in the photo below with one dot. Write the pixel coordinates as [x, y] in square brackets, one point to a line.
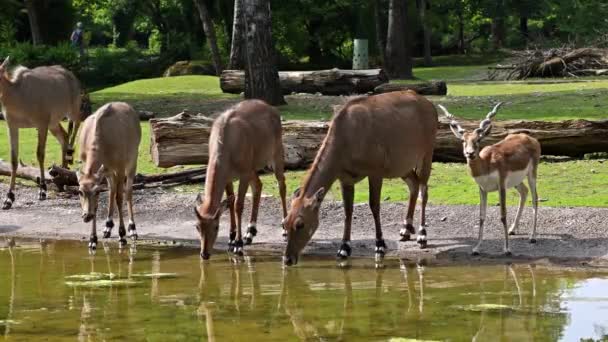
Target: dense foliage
[308, 33]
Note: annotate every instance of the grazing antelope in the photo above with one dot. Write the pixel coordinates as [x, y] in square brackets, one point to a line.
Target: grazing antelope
[499, 167]
[243, 140]
[109, 143]
[39, 98]
[382, 136]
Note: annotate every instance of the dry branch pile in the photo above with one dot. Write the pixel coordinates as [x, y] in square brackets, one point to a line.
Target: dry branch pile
[562, 62]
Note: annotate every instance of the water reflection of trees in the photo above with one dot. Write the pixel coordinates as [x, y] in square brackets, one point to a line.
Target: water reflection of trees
[219, 300]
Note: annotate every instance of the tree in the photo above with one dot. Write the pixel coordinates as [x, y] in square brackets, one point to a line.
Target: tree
[380, 21]
[210, 34]
[399, 61]
[32, 13]
[426, 29]
[237, 48]
[498, 24]
[261, 74]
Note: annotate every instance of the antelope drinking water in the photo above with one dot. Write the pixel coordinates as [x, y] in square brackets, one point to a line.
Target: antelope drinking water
[39, 98]
[383, 136]
[499, 167]
[109, 143]
[243, 140]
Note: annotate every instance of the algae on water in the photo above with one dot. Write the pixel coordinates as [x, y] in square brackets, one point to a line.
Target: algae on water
[102, 283]
[154, 275]
[91, 276]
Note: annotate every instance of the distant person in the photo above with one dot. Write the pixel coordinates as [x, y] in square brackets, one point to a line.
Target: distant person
[77, 38]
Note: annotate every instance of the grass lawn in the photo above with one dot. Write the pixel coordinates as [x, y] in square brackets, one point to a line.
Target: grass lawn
[573, 183]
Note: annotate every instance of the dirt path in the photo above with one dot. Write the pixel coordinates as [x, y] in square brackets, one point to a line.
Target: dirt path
[572, 235]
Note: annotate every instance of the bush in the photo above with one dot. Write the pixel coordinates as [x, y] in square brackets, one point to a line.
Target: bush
[33, 56]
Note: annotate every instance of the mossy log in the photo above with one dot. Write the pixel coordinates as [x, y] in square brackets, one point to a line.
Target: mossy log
[182, 139]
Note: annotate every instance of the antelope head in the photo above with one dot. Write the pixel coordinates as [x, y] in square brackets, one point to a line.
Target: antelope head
[208, 225]
[471, 140]
[89, 187]
[301, 223]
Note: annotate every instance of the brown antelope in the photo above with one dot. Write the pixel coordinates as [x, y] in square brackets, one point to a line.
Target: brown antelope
[383, 136]
[243, 140]
[109, 143]
[39, 98]
[499, 167]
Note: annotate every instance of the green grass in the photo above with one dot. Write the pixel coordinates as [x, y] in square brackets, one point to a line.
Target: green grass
[450, 183]
[28, 141]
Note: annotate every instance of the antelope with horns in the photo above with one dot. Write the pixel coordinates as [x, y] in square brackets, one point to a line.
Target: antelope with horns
[39, 98]
[382, 136]
[243, 140]
[109, 144]
[499, 167]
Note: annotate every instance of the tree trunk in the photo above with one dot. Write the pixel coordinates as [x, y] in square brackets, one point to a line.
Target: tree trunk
[261, 74]
[426, 28]
[210, 34]
[380, 20]
[461, 43]
[430, 88]
[327, 82]
[237, 49]
[398, 64]
[32, 14]
[498, 25]
[523, 28]
[181, 140]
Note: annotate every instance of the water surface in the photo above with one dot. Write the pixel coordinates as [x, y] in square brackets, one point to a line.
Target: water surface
[259, 300]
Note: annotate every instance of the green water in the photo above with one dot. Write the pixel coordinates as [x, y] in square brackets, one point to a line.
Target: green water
[260, 300]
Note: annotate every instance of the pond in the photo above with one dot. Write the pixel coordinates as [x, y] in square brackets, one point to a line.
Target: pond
[56, 291]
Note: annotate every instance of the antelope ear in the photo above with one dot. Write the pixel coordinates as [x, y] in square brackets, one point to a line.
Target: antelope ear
[198, 216]
[297, 192]
[318, 198]
[199, 199]
[226, 203]
[5, 63]
[456, 130]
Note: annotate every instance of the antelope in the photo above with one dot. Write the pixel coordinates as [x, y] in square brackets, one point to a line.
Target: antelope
[39, 98]
[109, 143]
[243, 140]
[382, 136]
[499, 167]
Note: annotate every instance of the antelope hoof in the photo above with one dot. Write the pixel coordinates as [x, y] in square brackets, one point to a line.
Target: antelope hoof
[344, 251]
[405, 235]
[421, 238]
[380, 248]
[205, 255]
[93, 243]
[475, 252]
[237, 248]
[508, 253]
[41, 195]
[8, 202]
[409, 228]
[122, 242]
[132, 231]
[532, 240]
[251, 233]
[511, 232]
[107, 232]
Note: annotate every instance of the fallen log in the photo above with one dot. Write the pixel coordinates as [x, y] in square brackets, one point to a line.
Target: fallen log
[63, 178]
[430, 88]
[326, 82]
[182, 139]
[23, 171]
